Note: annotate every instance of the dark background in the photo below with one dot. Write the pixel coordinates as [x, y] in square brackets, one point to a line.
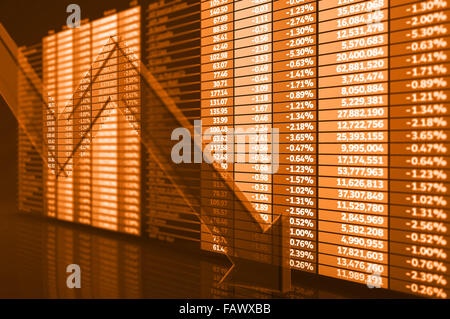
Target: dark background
[8, 156]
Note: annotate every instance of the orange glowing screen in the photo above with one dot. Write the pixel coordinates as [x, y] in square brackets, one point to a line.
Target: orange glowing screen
[338, 161]
[91, 124]
[358, 93]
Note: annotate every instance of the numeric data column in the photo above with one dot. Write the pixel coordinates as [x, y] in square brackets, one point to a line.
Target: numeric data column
[353, 137]
[105, 157]
[50, 133]
[253, 123]
[82, 123]
[217, 212]
[129, 121]
[419, 123]
[294, 116]
[65, 135]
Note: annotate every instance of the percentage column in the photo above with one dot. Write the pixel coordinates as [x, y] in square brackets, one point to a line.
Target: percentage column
[419, 126]
[294, 117]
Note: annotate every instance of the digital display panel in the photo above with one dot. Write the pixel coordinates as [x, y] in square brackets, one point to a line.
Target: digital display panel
[323, 136]
[91, 123]
[351, 101]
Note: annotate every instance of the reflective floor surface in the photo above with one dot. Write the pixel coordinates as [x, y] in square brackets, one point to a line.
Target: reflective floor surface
[35, 252]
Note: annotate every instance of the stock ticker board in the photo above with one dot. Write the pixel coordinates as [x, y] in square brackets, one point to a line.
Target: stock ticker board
[323, 138]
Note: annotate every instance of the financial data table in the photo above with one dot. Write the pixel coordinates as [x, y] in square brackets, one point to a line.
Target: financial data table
[351, 97]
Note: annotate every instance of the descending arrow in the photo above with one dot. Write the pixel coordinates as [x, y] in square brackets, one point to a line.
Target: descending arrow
[153, 84]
